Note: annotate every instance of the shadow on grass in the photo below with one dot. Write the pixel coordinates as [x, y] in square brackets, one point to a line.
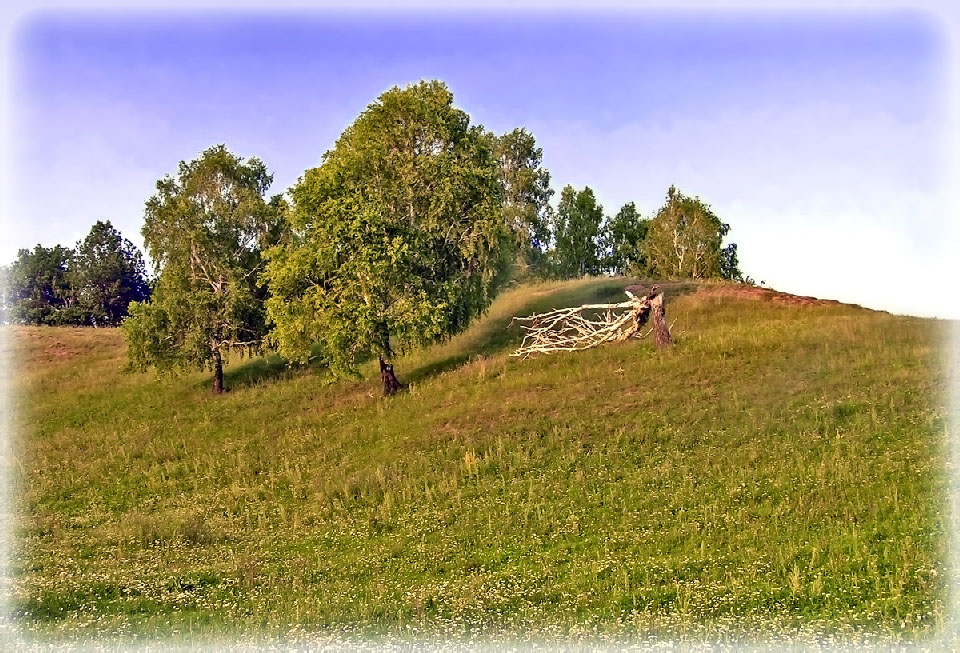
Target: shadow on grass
[492, 334]
[496, 333]
[434, 368]
[255, 371]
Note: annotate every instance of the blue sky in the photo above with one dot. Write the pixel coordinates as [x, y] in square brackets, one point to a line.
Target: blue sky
[818, 136]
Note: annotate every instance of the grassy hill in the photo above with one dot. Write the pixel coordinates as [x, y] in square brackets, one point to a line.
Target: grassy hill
[781, 468]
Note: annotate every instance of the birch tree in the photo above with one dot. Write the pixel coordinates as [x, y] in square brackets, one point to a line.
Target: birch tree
[684, 238]
[526, 195]
[205, 230]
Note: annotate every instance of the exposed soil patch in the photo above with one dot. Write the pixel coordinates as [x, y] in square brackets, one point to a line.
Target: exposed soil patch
[738, 291]
[764, 294]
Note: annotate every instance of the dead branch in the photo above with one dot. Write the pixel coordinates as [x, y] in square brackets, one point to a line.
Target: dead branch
[587, 326]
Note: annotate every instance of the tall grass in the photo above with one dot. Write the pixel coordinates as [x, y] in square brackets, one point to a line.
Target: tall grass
[780, 469]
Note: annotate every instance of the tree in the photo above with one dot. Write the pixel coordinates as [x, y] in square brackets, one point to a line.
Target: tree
[577, 232]
[730, 265]
[37, 287]
[107, 274]
[205, 230]
[623, 242]
[526, 193]
[398, 236]
[684, 240]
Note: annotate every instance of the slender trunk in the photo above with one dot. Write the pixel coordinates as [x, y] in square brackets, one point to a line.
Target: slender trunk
[661, 332]
[217, 373]
[390, 383]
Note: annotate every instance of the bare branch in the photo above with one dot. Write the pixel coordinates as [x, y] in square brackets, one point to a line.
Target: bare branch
[584, 327]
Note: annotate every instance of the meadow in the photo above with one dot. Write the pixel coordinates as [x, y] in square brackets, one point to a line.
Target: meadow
[780, 470]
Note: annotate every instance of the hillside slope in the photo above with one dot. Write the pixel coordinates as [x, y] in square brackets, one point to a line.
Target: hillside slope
[780, 468]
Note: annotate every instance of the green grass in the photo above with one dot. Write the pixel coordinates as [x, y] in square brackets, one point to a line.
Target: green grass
[780, 469]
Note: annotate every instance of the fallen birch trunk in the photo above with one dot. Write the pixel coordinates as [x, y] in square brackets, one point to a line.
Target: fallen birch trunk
[587, 326]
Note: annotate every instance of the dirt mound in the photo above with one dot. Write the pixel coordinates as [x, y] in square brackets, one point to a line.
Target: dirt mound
[738, 291]
[763, 294]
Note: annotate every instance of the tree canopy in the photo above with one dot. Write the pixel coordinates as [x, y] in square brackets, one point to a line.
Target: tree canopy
[527, 191]
[36, 287]
[397, 237]
[577, 232]
[106, 275]
[730, 265]
[205, 230]
[623, 242]
[684, 241]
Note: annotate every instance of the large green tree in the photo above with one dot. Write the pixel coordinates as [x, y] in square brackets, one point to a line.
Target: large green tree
[205, 230]
[398, 236]
[577, 233]
[623, 242]
[107, 274]
[684, 241]
[526, 196]
[37, 287]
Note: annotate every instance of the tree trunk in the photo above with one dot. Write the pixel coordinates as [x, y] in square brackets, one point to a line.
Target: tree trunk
[217, 373]
[390, 383]
[661, 332]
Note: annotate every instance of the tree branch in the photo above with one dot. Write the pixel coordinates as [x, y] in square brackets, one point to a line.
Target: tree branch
[584, 327]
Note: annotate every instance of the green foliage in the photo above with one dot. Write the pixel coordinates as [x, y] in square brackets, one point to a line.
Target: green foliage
[684, 239]
[205, 230]
[106, 276]
[526, 195]
[89, 286]
[37, 287]
[398, 236]
[577, 234]
[730, 265]
[623, 242]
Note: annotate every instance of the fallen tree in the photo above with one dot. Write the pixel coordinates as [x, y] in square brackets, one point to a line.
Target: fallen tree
[587, 326]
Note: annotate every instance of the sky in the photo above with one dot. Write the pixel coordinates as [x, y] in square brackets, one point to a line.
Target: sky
[818, 136]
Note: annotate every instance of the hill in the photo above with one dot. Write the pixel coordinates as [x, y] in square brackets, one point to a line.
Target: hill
[781, 468]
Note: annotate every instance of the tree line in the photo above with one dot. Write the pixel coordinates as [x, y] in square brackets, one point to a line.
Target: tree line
[682, 240]
[91, 284]
[402, 235]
